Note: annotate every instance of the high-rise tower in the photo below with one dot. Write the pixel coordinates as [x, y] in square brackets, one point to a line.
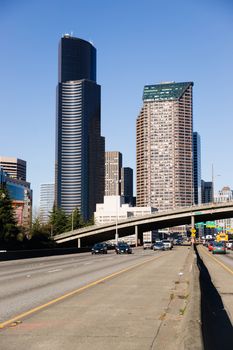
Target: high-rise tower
[113, 165]
[14, 167]
[127, 184]
[46, 201]
[79, 178]
[164, 146]
[197, 167]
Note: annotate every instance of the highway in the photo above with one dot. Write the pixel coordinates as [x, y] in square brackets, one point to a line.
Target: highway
[25, 284]
[95, 302]
[220, 268]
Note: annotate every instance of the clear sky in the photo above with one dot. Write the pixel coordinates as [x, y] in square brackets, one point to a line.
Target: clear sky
[138, 43]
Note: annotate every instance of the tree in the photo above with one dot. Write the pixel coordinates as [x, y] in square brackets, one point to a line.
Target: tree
[8, 225]
[58, 221]
[40, 236]
[75, 220]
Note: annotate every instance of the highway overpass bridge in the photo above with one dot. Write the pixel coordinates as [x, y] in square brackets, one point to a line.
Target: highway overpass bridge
[137, 225]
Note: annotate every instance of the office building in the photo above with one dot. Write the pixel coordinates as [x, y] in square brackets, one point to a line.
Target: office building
[197, 168]
[224, 195]
[113, 165]
[164, 146]
[14, 167]
[79, 166]
[206, 191]
[114, 208]
[46, 201]
[127, 185]
[21, 197]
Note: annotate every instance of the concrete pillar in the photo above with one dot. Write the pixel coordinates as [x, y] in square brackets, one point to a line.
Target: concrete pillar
[193, 231]
[192, 221]
[79, 243]
[136, 235]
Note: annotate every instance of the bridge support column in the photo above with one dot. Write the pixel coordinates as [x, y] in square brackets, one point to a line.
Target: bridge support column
[192, 222]
[79, 243]
[136, 235]
[193, 231]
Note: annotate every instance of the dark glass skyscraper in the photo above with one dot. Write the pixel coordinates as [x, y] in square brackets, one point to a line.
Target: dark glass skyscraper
[197, 167]
[80, 149]
[127, 185]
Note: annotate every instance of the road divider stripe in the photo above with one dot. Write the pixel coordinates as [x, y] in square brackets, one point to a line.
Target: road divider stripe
[76, 291]
[219, 262]
[56, 270]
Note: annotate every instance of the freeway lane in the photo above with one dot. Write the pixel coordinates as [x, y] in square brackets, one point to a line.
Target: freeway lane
[220, 268]
[25, 284]
[141, 308]
[227, 259]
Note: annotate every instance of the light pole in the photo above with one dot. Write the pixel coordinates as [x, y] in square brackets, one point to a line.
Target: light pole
[116, 234]
[213, 184]
[72, 220]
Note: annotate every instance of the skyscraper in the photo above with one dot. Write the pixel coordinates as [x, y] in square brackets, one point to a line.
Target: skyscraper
[79, 168]
[164, 146]
[127, 184]
[113, 165]
[197, 167]
[206, 191]
[46, 201]
[14, 167]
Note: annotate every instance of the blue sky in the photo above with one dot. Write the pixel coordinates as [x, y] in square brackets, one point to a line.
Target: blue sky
[138, 43]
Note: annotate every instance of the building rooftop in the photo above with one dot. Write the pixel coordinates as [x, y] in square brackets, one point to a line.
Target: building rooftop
[165, 91]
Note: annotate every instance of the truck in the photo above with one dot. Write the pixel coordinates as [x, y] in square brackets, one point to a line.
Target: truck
[147, 240]
[222, 237]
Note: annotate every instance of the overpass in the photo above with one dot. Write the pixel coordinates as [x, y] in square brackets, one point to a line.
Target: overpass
[158, 220]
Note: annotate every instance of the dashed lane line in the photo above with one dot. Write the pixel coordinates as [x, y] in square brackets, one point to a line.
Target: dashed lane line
[79, 290]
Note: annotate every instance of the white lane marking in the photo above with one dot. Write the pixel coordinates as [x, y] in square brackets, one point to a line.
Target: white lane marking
[50, 271]
[28, 276]
[88, 263]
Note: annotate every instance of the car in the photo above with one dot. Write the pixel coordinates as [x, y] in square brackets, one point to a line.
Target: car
[99, 248]
[210, 246]
[158, 246]
[229, 244]
[179, 241]
[167, 244]
[219, 248]
[123, 248]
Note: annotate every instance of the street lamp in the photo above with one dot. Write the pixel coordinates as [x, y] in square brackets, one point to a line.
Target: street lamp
[116, 234]
[72, 220]
[213, 184]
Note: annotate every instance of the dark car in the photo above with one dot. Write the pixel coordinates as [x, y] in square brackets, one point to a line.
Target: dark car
[179, 241]
[158, 246]
[99, 248]
[219, 248]
[123, 248]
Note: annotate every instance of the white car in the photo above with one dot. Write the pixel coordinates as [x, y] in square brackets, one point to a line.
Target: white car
[167, 244]
[229, 244]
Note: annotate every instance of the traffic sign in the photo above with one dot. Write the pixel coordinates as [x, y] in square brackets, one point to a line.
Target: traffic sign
[193, 230]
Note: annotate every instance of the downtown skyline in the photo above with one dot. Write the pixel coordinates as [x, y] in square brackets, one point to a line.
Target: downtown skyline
[126, 63]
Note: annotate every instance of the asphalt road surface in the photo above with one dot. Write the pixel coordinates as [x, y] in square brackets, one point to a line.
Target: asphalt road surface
[28, 283]
[118, 302]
